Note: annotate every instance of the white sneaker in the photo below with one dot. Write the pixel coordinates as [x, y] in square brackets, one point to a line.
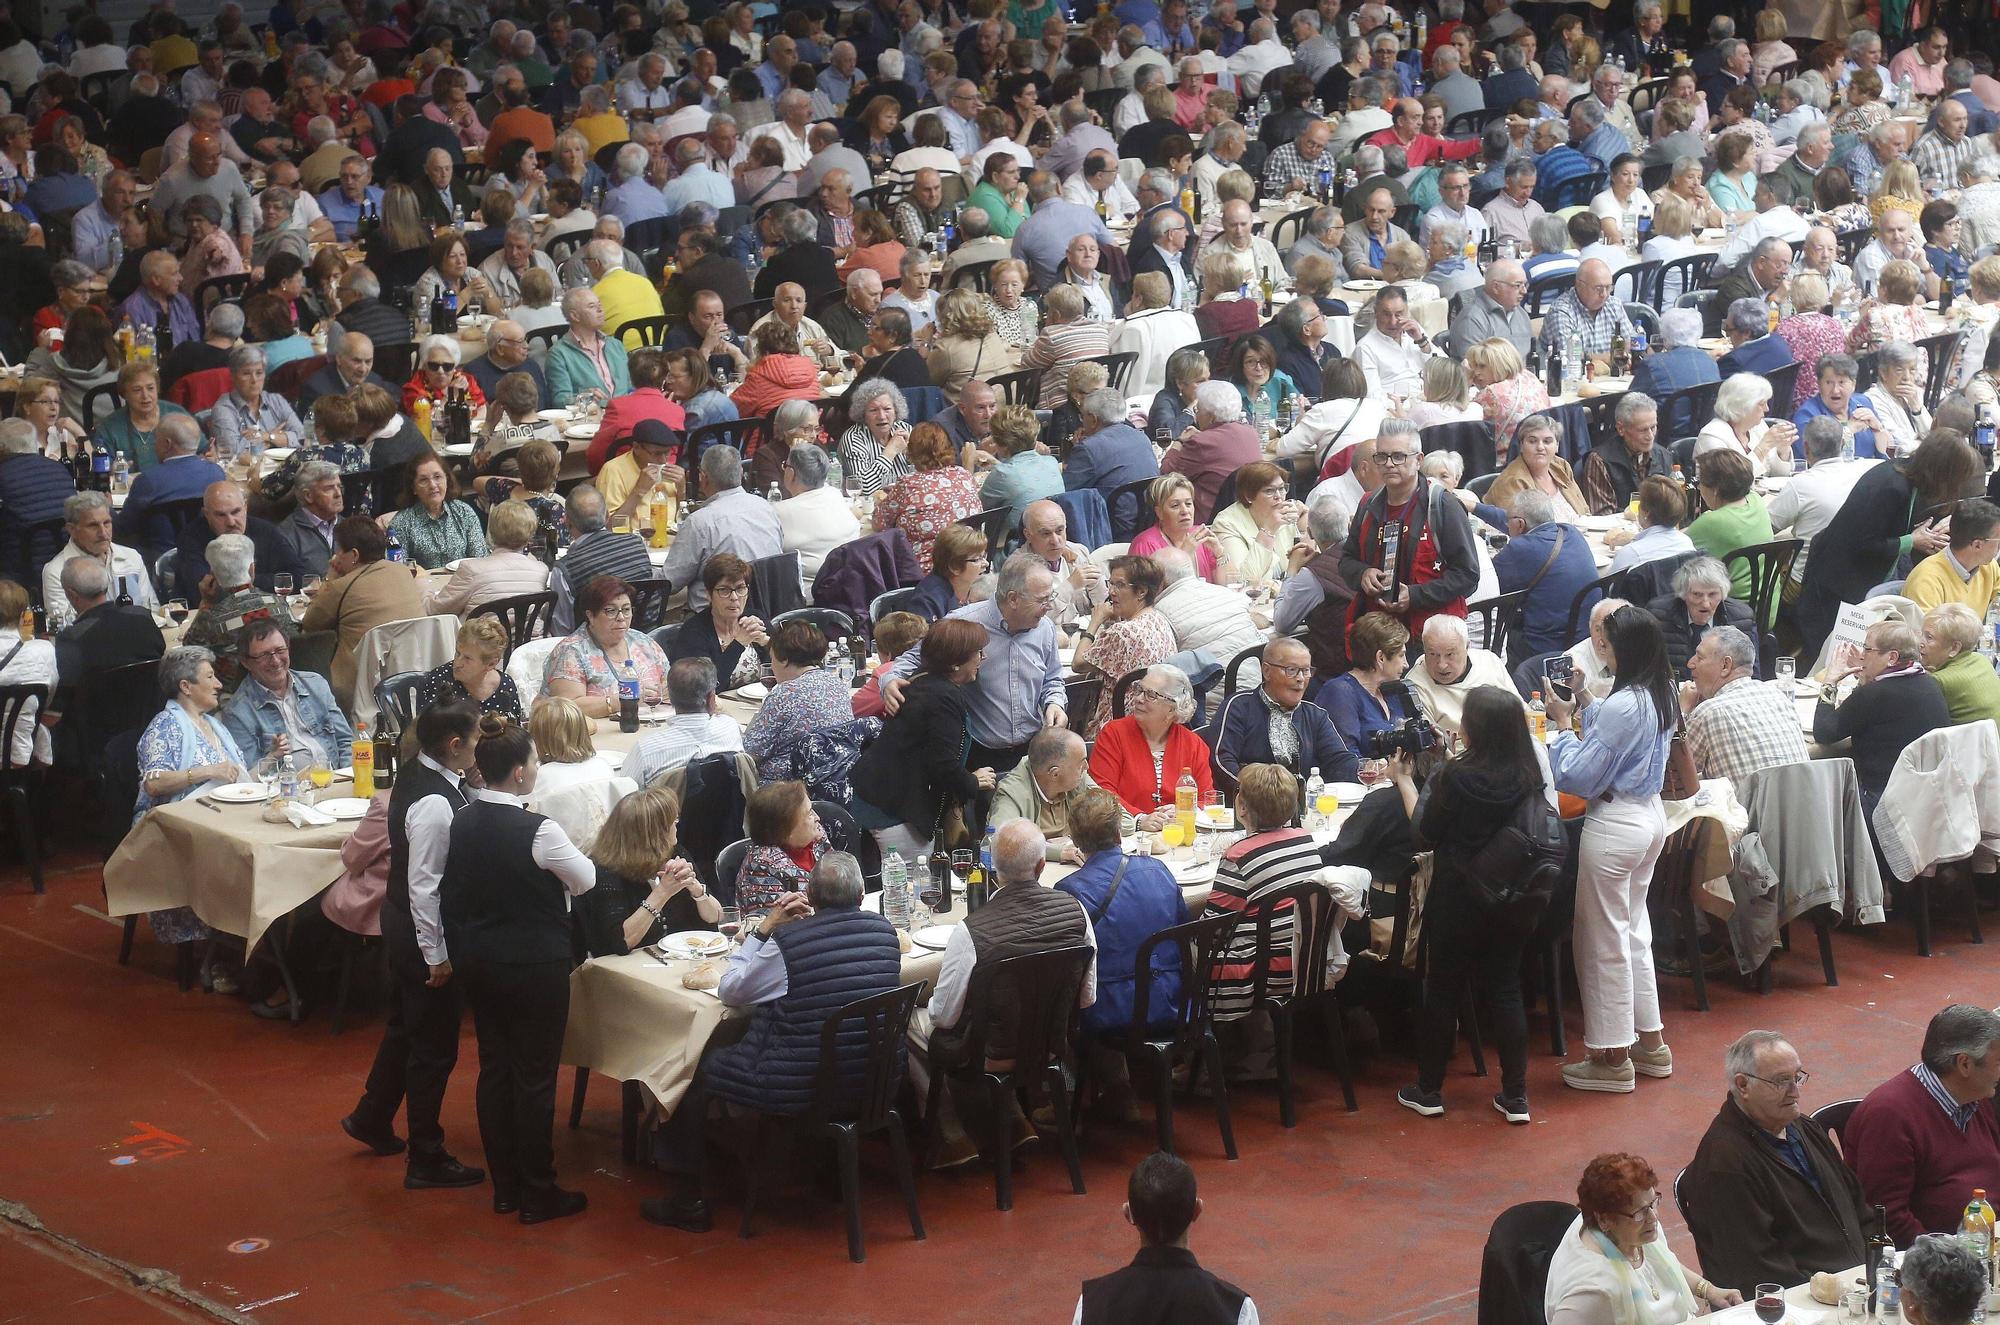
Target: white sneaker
[1590, 1074]
[1653, 1062]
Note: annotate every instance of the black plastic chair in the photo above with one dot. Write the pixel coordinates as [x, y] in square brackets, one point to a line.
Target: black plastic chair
[1119, 366]
[1122, 688]
[1685, 412]
[107, 394]
[992, 522]
[846, 1108]
[652, 330]
[895, 600]
[1472, 441]
[832, 622]
[1191, 1039]
[1290, 228]
[1607, 587]
[739, 433]
[1942, 349]
[1683, 274]
[978, 275]
[1018, 388]
[1514, 1267]
[1783, 381]
[1134, 495]
[547, 336]
[1770, 565]
[1500, 615]
[218, 290]
[1253, 654]
[1543, 290]
[1314, 918]
[396, 696]
[526, 616]
[1024, 1008]
[649, 602]
[1081, 695]
[1833, 1117]
[743, 315]
[1578, 190]
[14, 778]
[1640, 276]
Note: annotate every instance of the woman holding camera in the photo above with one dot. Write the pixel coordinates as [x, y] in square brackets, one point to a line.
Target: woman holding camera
[1463, 805]
[1617, 761]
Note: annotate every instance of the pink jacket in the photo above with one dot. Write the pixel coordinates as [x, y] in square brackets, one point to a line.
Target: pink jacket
[354, 900]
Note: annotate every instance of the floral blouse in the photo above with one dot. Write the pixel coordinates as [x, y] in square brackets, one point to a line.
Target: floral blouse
[1881, 323]
[578, 658]
[1507, 403]
[769, 872]
[1861, 120]
[923, 503]
[550, 513]
[1018, 325]
[439, 686]
[807, 731]
[1812, 336]
[867, 462]
[453, 535]
[1121, 647]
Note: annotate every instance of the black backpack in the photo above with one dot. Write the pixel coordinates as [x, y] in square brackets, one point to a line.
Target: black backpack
[1516, 872]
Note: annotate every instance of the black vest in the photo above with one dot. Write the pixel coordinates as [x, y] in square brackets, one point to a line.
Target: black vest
[1624, 470]
[1022, 918]
[1162, 1286]
[1326, 624]
[499, 906]
[414, 781]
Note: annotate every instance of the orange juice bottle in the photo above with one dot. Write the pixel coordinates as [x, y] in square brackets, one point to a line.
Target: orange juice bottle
[421, 412]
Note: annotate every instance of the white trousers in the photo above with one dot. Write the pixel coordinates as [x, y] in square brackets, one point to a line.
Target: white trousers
[1613, 936]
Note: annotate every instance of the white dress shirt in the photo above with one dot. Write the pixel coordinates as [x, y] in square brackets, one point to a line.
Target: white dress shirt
[798, 152]
[1118, 200]
[427, 828]
[552, 850]
[1392, 367]
[128, 575]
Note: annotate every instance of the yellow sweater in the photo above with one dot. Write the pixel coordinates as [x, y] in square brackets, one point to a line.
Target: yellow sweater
[1935, 580]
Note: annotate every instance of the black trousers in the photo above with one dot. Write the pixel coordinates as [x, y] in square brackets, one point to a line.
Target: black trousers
[1464, 943]
[419, 1044]
[519, 1010]
[1001, 761]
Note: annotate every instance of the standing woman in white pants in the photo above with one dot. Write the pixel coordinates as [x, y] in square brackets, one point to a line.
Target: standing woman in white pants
[1617, 764]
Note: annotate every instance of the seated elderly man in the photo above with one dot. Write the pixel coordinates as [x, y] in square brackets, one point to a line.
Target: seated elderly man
[1211, 618]
[1735, 723]
[698, 728]
[224, 510]
[1043, 787]
[277, 711]
[1756, 348]
[1592, 654]
[309, 529]
[87, 517]
[231, 600]
[807, 957]
[813, 518]
[1019, 918]
[103, 634]
[1926, 1137]
[1450, 669]
[1277, 724]
[730, 520]
[1079, 580]
[1770, 1200]
[1698, 602]
[1551, 560]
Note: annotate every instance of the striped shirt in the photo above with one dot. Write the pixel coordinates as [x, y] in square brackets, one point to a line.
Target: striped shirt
[1960, 1114]
[1060, 347]
[1259, 864]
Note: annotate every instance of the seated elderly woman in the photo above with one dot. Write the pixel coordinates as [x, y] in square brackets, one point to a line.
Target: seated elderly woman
[1140, 757]
[779, 372]
[1700, 599]
[1125, 633]
[1740, 425]
[1171, 415]
[786, 841]
[1536, 467]
[1358, 700]
[1447, 395]
[1172, 499]
[1897, 399]
[1259, 531]
[722, 631]
[967, 346]
[476, 672]
[450, 272]
[1735, 518]
[643, 892]
[587, 664]
[506, 571]
[1895, 702]
[1450, 669]
[209, 252]
[128, 431]
[438, 376]
[1067, 337]
[1253, 369]
[915, 776]
[939, 493]
[958, 560]
[1016, 319]
[1615, 1251]
[564, 744]
[873, 452]
[275, 232]
[1223, 312]
[247, 417]
[434, 526]
[806, 729]
[1025, 474]
[1950, 650]
[1662, 508]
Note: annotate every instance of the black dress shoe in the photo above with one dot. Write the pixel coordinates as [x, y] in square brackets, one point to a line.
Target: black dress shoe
[688, 1213]
[441, 1171]
[557, 1204]
[505, 1205]
[382, 1143]
[272, 1011]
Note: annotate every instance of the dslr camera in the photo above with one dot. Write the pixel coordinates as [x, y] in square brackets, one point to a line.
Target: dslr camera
[1412, 736]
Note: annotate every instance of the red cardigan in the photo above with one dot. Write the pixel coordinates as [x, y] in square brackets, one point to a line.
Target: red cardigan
[1122, 764]
[1914, 1162]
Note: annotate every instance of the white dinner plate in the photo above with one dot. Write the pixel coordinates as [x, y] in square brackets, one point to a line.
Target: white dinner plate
[278, 453]
[1606, 385]
[755, 690]
[1599, 524]
[1222, 820]
[693, 944]
[1367, 285]
[450, 565]
[1349, 792]
[242, 793]
[557, 415]
[343, 807]
[1804, 689]
[580, 432]
[933, 937]
[459, 448]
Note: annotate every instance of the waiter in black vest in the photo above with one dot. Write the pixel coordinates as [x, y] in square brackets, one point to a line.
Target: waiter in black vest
[1164, 1284]
[507, 879]
[420, 1043]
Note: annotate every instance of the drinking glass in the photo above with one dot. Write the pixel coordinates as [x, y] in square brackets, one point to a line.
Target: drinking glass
[1770, 1303]
[961, 869]
[312, 584]
[731, 924]
[1788, 669]
[320, 776]
[177, 611]
[281, 585]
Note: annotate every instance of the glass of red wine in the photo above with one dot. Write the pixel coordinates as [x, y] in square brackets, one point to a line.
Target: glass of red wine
[1770, 1303]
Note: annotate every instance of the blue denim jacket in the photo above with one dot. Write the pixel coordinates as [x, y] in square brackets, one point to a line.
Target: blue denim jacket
[253, 719]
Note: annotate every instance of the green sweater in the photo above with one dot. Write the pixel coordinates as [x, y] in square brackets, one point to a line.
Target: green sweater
[1720, 532]
[1971, 688]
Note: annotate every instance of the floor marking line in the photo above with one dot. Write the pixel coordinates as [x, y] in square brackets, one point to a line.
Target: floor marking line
[226, 1103]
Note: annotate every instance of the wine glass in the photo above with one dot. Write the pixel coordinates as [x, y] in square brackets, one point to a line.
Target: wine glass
[1770, 1303]
[731, 924]
[177, 611]
[312, 584]
[961, 869]
[281, 584]
[1327, 803]
[930, 899]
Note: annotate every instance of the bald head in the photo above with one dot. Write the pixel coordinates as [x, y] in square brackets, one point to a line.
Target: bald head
[1593, 284]
[1506, 282]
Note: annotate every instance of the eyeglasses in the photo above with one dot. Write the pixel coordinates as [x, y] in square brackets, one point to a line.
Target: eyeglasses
[1646, 1211]
[1798, 1078]
[730, 591]
[1396, 457]
[1141, 692]
[1296, 673]
[617, 613]
[281, 651]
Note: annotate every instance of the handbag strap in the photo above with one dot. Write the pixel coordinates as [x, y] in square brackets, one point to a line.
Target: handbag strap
[1554, 552]
[1097, 916]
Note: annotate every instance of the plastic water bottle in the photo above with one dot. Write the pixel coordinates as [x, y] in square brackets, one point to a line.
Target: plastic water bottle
[395, 552]
[1847, 443]
[836, 477]
[1313, 785]
[1975, 1232]
[1573, 357]
[628, 697]
[1888, 1290]
[846, 666]
[896, 891]
[121, 473]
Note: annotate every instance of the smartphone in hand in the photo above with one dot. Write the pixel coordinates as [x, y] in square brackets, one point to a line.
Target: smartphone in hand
[1561, 673]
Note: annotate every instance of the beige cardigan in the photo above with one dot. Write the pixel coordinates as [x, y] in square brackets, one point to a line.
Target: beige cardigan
[1514, 480]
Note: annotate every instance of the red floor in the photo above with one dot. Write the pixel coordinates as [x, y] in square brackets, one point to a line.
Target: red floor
[240, 1183]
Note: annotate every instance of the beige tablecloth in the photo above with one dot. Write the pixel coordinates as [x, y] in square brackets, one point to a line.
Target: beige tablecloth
[237, 872]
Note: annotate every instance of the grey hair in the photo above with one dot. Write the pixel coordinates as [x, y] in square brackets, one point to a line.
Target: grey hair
[1172, 682]
[1701, 573]
[607, 254]
[793, 415]
[1680, 326]
[231, 558]
[631, 161]
[1899, 354]
[86, 578]
[1736, 646]
[281, 196]
[243, 356]
[357, 279]
[1591, 112]
[78, 505]
[1548, 234]
[1019, 849]
[873, 389]
[1860, 40]
[520, 228]
[809, 465]
[1749, 316]
[1958, 74]
[1104, 407]
[1730, 49]
[1962, 1028]
[68, 274]
[1446, 624]
[799, 227]
[1533, 508]
[836, 882]
[1367, 160]
[1327, 522]
[1159, 181]
[594, 99]
[1740, 1060]
[1222, 401]
[1770, 248]
[585, 508]
[449, 344]
[1945, 1279]
[1228, 134]
[17, 437]
[722, 466]
[1175, 565]
[1686, 165]
[1391, 428]
[311, 474]
[1512, 56]
[1521, 167]
[859, 278]
[1446, 465]
[1743, 392]
[792, 97]
[181, 666]
[1452, 232]
[1322, 221]
[1013, 574]
[1817, 131]
[227, 320]
[572, 299]
[180, 432]
[1825, 438]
